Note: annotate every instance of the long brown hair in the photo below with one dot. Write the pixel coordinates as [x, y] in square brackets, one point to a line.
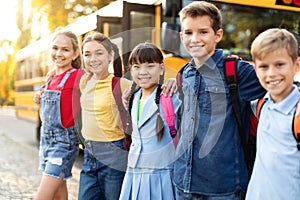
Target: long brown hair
[77, 62]
[110, 47]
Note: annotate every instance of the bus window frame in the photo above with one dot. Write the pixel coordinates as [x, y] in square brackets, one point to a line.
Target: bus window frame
[126, 23]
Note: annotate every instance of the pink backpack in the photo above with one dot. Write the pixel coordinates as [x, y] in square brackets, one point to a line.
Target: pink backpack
[169, 115]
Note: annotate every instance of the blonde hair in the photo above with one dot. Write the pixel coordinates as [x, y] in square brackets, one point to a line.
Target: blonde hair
[202, 8]
[272, 40]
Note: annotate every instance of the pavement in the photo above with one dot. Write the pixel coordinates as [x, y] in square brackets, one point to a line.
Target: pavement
[19, 174]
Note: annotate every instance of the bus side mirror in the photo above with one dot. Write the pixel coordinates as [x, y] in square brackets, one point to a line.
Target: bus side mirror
[170, 40]
[171, 8]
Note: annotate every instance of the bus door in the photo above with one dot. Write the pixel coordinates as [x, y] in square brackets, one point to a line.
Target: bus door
[137, 26]
[111, 27]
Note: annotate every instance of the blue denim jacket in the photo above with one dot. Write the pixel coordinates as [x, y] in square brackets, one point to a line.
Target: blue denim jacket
[210, 156]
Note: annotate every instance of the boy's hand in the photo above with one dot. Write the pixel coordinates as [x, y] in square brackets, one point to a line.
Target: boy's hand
[170, 85]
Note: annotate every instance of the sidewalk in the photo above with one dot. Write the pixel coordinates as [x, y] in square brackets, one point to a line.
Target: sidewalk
[19, 174]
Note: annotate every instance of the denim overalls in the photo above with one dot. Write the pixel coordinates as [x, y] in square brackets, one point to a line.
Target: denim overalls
[58, 145]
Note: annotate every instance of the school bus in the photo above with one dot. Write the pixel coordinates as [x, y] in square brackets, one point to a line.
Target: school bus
[129, 22]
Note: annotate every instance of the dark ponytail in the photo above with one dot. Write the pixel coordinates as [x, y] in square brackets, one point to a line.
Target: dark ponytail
[129, 120]
[159, 122]
[117, 63]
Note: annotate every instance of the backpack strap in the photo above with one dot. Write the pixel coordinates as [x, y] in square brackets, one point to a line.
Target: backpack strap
[259, 106]
[230, 66]
[169, 114]
[296, 128]
[116, 90]
[65, 78]
[230, 69]
[179, 85]
[295, 124]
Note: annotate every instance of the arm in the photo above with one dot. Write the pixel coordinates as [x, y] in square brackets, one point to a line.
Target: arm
[38, 94]
[170, 85]
[249, 87]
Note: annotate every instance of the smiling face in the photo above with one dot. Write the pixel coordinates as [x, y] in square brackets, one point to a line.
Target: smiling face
[199, 38]
[96, 58]
[146, 76]
[63, 53]
[276, 71]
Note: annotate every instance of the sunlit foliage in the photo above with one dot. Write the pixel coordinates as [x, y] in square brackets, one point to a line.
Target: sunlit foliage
[60, 13]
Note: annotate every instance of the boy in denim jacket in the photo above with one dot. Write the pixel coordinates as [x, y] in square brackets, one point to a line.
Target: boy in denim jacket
[210, 162]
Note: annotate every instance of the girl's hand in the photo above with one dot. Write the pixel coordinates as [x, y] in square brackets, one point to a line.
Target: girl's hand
[169, 86]
[37, 97]
[125, 97]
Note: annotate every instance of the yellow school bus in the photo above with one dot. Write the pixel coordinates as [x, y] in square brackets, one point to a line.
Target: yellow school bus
[129, 22]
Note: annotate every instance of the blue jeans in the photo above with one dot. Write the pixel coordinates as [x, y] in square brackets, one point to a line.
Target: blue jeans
[180, 195]
[98, 181]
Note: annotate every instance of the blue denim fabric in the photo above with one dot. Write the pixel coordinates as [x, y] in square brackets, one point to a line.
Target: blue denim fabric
[58, 151]
[112, 154]
[98, 181]
[59, 146]
[210, 157]
[179, 194]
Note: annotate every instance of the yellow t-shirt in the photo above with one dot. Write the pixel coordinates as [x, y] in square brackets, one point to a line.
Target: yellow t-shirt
[100, 116]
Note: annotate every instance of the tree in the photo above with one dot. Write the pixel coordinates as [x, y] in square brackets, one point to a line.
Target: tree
[7, 66]
[24, 26]
[61, 13]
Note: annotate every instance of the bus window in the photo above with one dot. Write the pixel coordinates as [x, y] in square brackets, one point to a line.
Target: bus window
[244, 20]
[242, 24]
[140, 20]
[112, 28]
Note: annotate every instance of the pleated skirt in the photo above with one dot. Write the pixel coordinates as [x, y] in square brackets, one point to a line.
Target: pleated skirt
[147, 184]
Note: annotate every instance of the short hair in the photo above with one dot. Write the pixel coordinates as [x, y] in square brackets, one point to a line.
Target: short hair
[202, 8]
[298, 40]
[272, 40]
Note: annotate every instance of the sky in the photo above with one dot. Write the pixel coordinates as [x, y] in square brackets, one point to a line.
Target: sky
[9, 29]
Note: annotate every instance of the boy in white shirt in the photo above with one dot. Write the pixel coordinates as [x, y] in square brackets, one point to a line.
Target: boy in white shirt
[276, 172]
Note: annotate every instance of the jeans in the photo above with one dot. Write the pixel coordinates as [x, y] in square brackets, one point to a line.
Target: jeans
[179, 194]
[98, 181]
